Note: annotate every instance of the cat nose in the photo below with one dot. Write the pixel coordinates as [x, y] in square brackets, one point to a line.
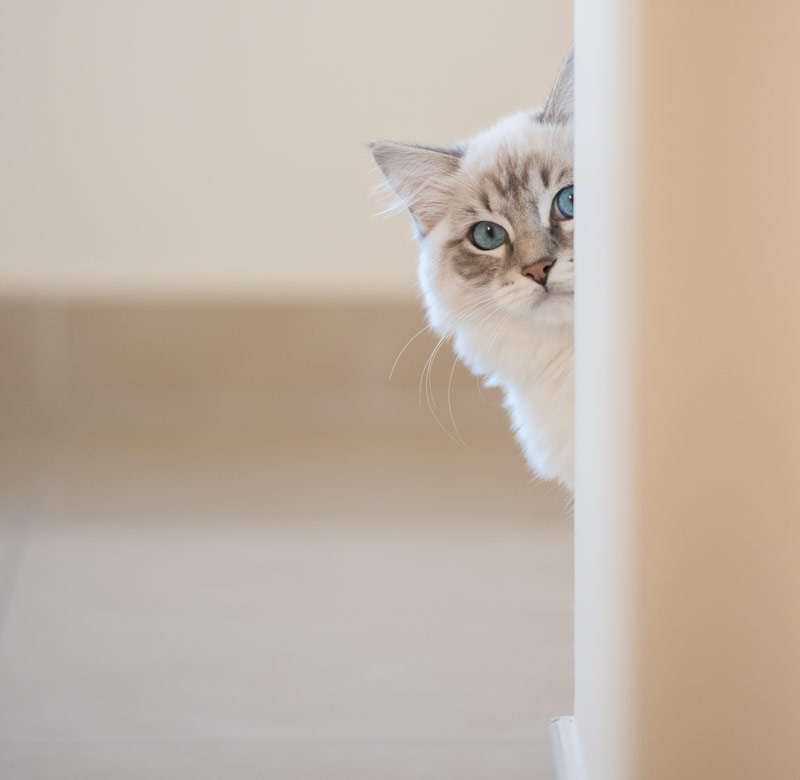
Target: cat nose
[539, 270]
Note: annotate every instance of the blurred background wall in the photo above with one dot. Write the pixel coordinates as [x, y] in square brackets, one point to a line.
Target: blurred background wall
[215, 148]
[228, 542]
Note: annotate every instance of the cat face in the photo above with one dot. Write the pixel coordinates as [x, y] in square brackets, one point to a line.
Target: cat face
[493, 216]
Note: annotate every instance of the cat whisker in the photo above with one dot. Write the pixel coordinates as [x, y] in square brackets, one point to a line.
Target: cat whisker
[450, 405]
[402, 351]
[491, 313]
[430, 327]
[480, 388]
[427, 372]
[423, 378]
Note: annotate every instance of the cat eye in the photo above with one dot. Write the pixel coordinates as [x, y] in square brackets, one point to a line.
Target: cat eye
[488, 235]
[563, 204]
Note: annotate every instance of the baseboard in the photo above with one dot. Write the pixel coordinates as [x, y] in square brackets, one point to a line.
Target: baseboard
[566, 749]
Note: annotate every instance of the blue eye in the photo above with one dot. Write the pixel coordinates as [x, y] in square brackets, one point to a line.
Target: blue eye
[488, 235]
[563, 203]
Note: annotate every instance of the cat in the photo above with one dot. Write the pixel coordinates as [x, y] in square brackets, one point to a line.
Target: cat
[493, 217]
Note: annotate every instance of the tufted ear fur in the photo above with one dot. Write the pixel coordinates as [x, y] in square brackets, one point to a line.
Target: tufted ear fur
[421, 177]
[559, 108]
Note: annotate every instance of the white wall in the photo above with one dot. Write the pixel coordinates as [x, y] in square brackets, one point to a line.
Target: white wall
[608, 261]
[163, 146]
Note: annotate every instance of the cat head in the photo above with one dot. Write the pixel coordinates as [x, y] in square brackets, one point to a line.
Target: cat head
[493, 215]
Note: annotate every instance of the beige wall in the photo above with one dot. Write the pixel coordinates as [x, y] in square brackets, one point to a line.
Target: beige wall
[688, 392]
[719, 529]
[200, 147]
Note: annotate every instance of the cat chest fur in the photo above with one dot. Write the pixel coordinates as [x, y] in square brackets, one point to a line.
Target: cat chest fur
[535, 372]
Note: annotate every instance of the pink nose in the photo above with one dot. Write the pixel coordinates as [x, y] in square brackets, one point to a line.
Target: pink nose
[539, 270]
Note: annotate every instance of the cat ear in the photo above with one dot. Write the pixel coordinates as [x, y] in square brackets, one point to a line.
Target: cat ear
[421, 177]
[561, 102]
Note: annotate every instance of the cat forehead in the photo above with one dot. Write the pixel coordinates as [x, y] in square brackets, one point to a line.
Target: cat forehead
[518, 144]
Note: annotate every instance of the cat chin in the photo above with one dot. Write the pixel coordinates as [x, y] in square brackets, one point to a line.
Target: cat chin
[553, 308]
